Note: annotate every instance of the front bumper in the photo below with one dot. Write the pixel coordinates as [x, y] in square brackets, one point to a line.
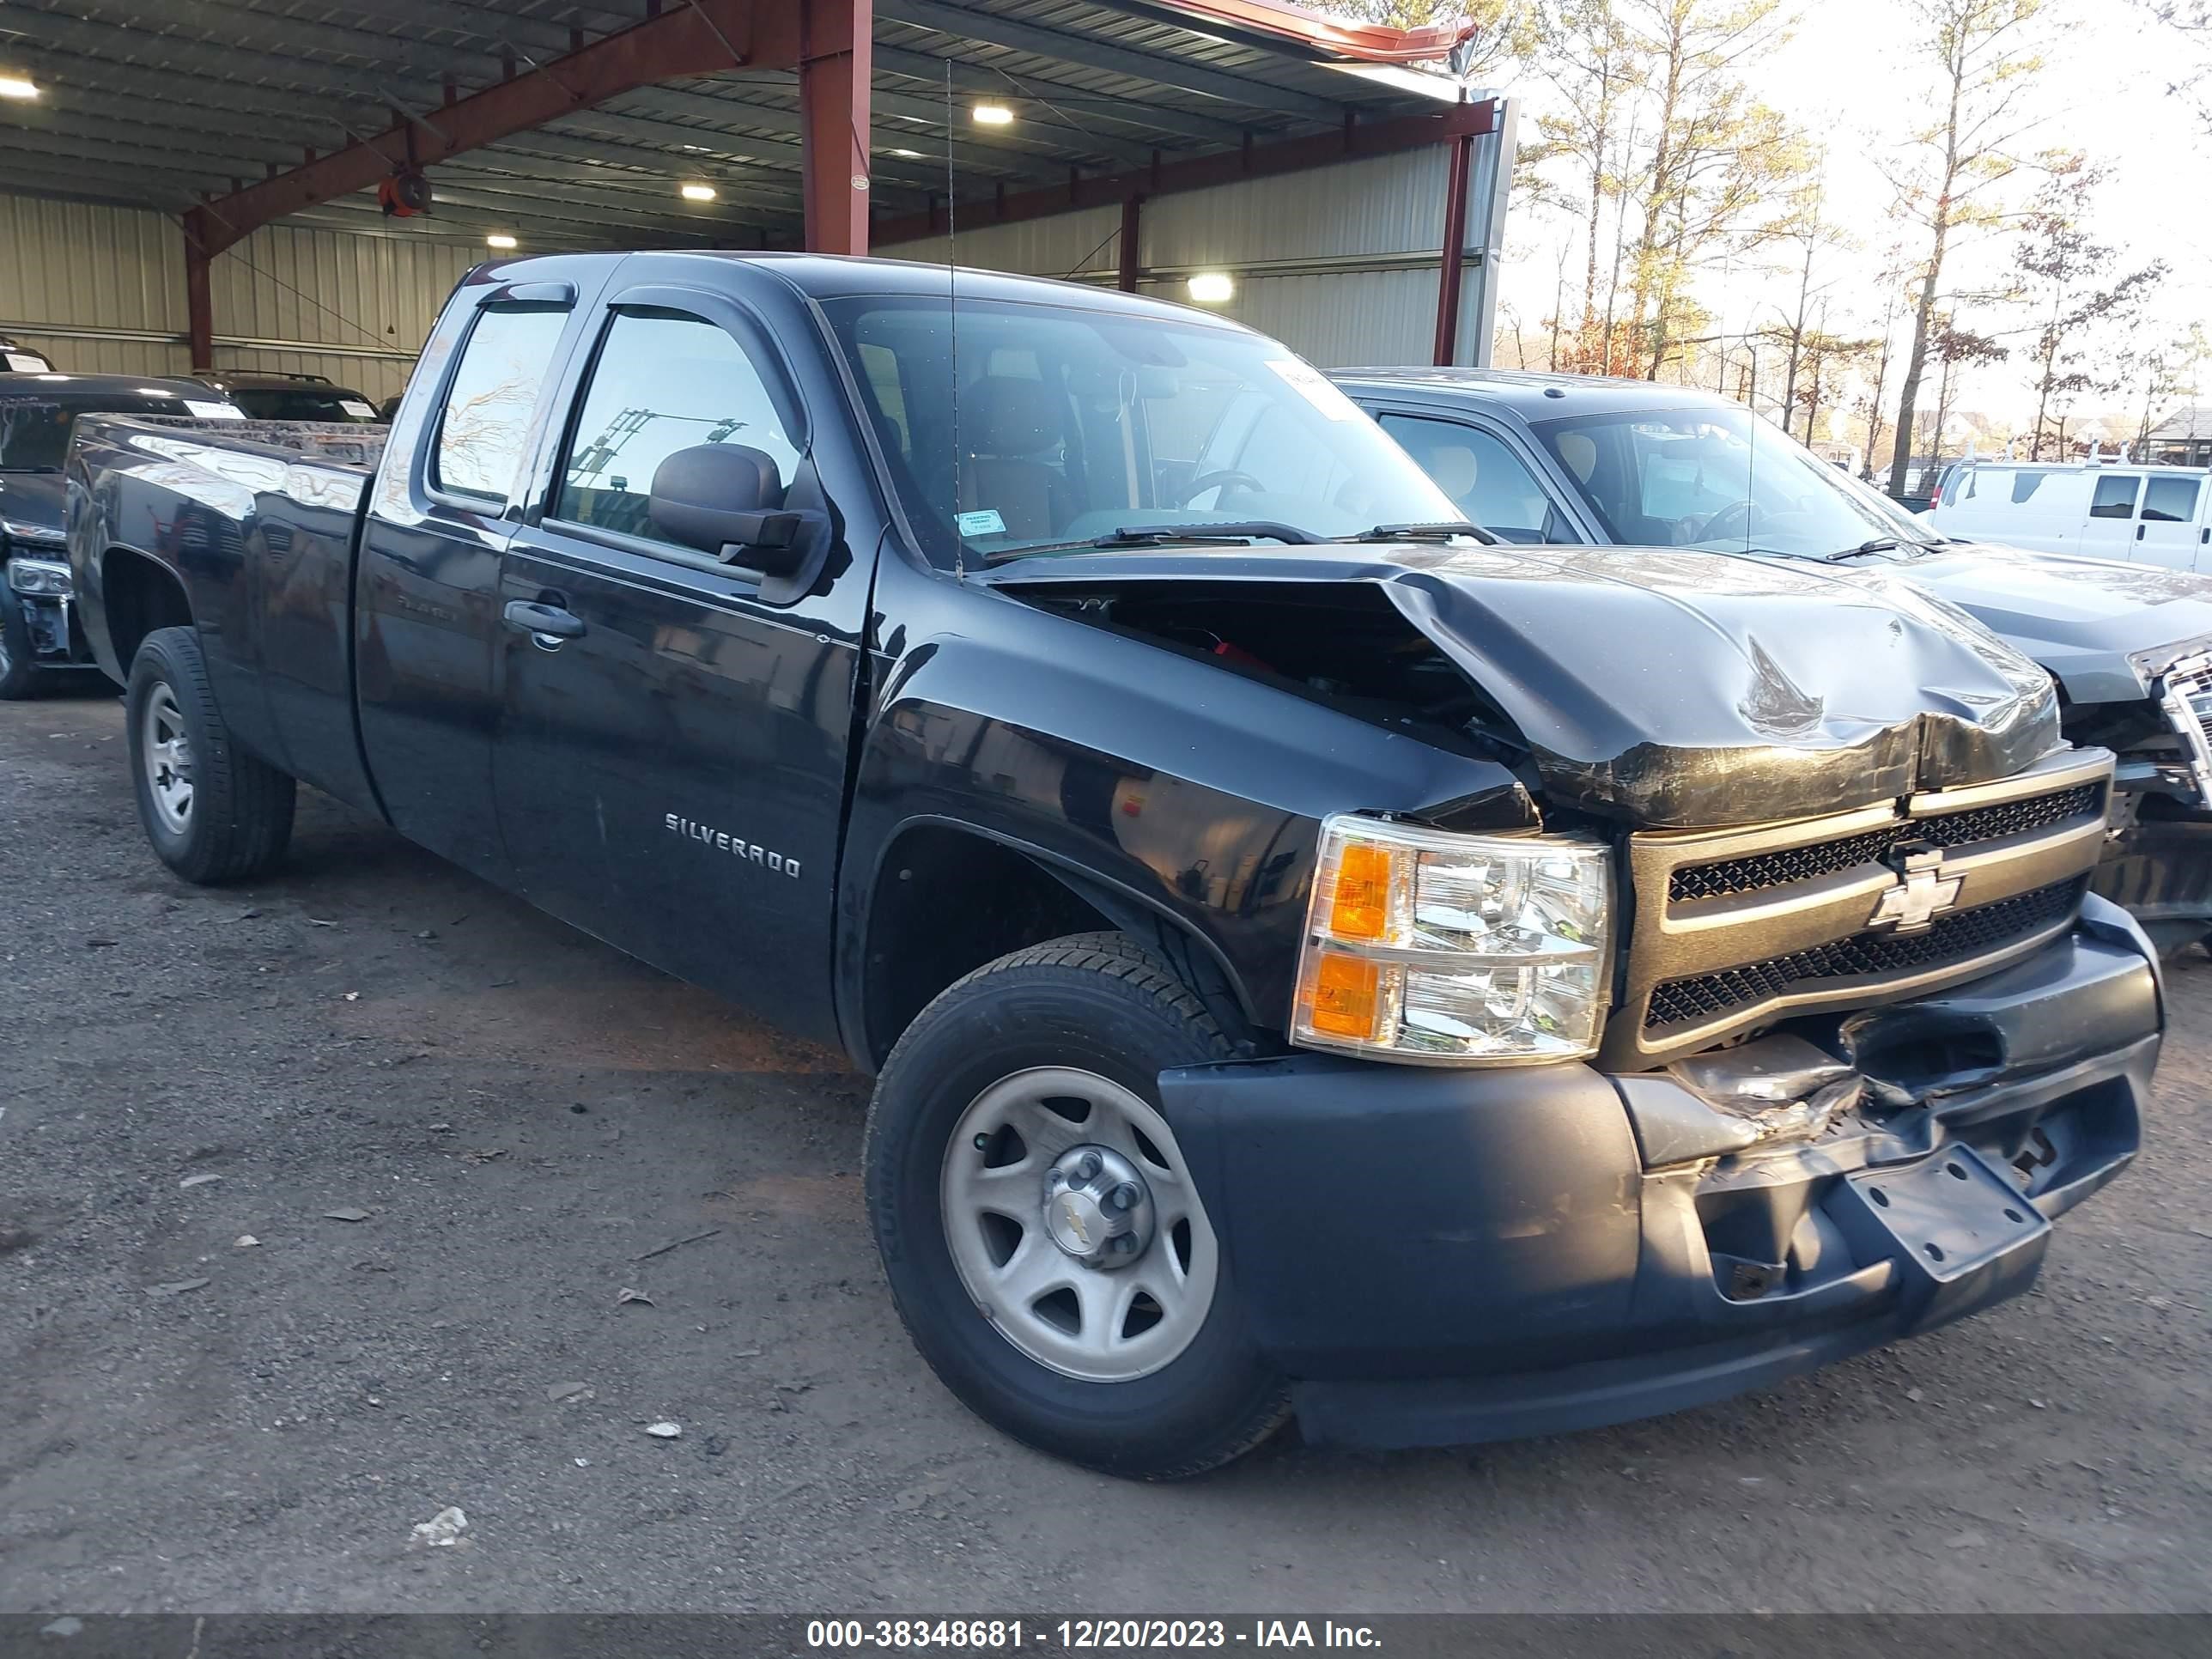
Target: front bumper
[1440, 1257]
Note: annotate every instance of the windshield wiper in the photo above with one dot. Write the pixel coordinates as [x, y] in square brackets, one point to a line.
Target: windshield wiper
[1879, 544]
[1164, 535]
[1424, 533]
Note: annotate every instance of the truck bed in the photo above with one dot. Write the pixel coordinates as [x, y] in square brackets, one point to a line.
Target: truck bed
[256, 522]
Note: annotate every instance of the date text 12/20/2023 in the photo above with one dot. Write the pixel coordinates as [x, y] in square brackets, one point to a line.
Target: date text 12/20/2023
[1085, 1635]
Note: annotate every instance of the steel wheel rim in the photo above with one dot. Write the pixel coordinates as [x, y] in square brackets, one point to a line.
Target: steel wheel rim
[1093, 1324]
[168, 754]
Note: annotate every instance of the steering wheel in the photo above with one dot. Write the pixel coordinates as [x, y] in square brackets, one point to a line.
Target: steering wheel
[1225, 476]
[1736, 519]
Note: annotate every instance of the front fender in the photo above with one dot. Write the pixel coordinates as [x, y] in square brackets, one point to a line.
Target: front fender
[1190, 789]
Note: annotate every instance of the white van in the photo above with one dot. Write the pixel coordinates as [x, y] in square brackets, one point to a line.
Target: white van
[2140, 514]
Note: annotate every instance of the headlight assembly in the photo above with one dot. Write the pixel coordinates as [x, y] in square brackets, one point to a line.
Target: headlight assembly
[1451, 950]
[49, 578]
[30, 535]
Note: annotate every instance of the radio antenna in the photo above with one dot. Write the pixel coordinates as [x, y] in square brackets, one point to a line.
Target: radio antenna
[952, 324]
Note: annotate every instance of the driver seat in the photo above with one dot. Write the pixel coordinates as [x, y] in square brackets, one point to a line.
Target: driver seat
[1007, 423]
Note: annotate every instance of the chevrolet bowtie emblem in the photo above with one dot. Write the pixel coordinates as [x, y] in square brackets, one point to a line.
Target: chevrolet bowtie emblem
[1922, 894]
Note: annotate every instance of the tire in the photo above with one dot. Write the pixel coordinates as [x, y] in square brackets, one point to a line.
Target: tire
[19, 671]
[234, 816]
[1091, 1019]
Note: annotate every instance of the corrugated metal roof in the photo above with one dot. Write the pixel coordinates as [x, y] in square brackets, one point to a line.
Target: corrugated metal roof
[154, 102]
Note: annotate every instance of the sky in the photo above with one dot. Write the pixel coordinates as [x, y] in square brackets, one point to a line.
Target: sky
[1847, 75]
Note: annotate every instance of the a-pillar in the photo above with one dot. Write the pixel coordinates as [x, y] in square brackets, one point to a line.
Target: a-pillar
[835, 60]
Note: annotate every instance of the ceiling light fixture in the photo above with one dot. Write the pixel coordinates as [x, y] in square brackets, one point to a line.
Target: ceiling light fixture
[993, 115]
[1212, 288]
[907, 155]
[499, 239]
[17, 86]
[697, 192]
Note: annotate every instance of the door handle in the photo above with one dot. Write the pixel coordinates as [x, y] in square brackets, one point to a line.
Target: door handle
[543, 621]
[2139, 531]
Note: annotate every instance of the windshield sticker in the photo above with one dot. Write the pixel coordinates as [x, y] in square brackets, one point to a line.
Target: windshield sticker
[1317, 389]
[215, 411]
[356, 407]
[984, 521]
[22, 363]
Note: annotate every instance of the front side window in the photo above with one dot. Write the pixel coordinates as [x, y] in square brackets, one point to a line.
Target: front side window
[486, 422]
[2171, 501]
[664, 380]
[1487, 482]
[1718, 478]
[1008, 428]
[2116, 496]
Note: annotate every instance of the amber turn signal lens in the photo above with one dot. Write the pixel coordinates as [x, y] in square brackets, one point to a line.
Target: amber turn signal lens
[1359, 907]
[1347, 996]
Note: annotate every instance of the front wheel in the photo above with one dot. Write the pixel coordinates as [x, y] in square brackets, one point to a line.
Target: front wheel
[213, 812]
[1046, 1244]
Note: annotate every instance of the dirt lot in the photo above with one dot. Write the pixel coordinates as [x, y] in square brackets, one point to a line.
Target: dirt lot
[524, 1116]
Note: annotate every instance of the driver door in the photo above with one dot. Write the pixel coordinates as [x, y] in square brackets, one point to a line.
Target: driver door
[670, 767]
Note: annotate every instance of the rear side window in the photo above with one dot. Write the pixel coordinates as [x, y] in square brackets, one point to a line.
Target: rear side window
[486, 421]
[2116, 497]
[2171, 501]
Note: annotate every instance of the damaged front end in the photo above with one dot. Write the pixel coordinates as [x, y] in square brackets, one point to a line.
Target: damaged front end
[1657, 689]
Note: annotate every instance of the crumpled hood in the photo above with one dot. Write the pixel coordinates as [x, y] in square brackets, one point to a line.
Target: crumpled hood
[2082, 619]
[1675, 688]
[39, 498]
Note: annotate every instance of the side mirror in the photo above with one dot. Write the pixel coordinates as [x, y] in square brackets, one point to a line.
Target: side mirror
[725, 499]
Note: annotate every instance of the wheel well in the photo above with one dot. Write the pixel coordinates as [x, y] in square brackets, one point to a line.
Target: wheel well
[139, 596]
[945, 902]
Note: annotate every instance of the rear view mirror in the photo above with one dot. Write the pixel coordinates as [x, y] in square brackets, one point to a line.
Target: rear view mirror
[725, 499]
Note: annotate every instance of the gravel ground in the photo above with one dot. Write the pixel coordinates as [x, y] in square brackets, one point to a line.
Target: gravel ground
[194, 1421]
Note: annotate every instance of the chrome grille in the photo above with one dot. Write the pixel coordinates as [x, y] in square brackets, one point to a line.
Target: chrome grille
[1765, 870]
[1738, 929]
[1961, 936]
[2185, 691]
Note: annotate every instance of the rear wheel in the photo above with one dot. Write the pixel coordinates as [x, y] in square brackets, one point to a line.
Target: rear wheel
[213, 812]
[18, 670]
[1047, 1246]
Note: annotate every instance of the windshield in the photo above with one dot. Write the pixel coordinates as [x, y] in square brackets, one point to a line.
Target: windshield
[322, 402]
[1721, 479]
[34, 427]
[1074, 424]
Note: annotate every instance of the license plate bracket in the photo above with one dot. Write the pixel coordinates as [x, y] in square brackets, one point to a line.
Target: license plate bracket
[1960, 1233]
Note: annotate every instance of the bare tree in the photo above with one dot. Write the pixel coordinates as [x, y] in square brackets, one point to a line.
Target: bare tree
[1985, 67]
[1717, 155]
[2060, 263]
[1808, 235]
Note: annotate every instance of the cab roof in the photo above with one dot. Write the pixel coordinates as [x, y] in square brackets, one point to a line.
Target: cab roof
[842, 276]
[1531, 395]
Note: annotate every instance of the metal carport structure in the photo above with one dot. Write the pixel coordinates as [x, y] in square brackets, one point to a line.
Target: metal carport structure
[829, 123]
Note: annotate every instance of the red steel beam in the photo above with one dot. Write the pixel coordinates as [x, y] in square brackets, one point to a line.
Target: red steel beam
[199, 310]
[1455, 259]
[1166, 178]
[835, 62]
[701, 37]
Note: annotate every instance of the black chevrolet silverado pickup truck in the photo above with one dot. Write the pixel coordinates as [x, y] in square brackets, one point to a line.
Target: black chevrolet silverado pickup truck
[1314, 958]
